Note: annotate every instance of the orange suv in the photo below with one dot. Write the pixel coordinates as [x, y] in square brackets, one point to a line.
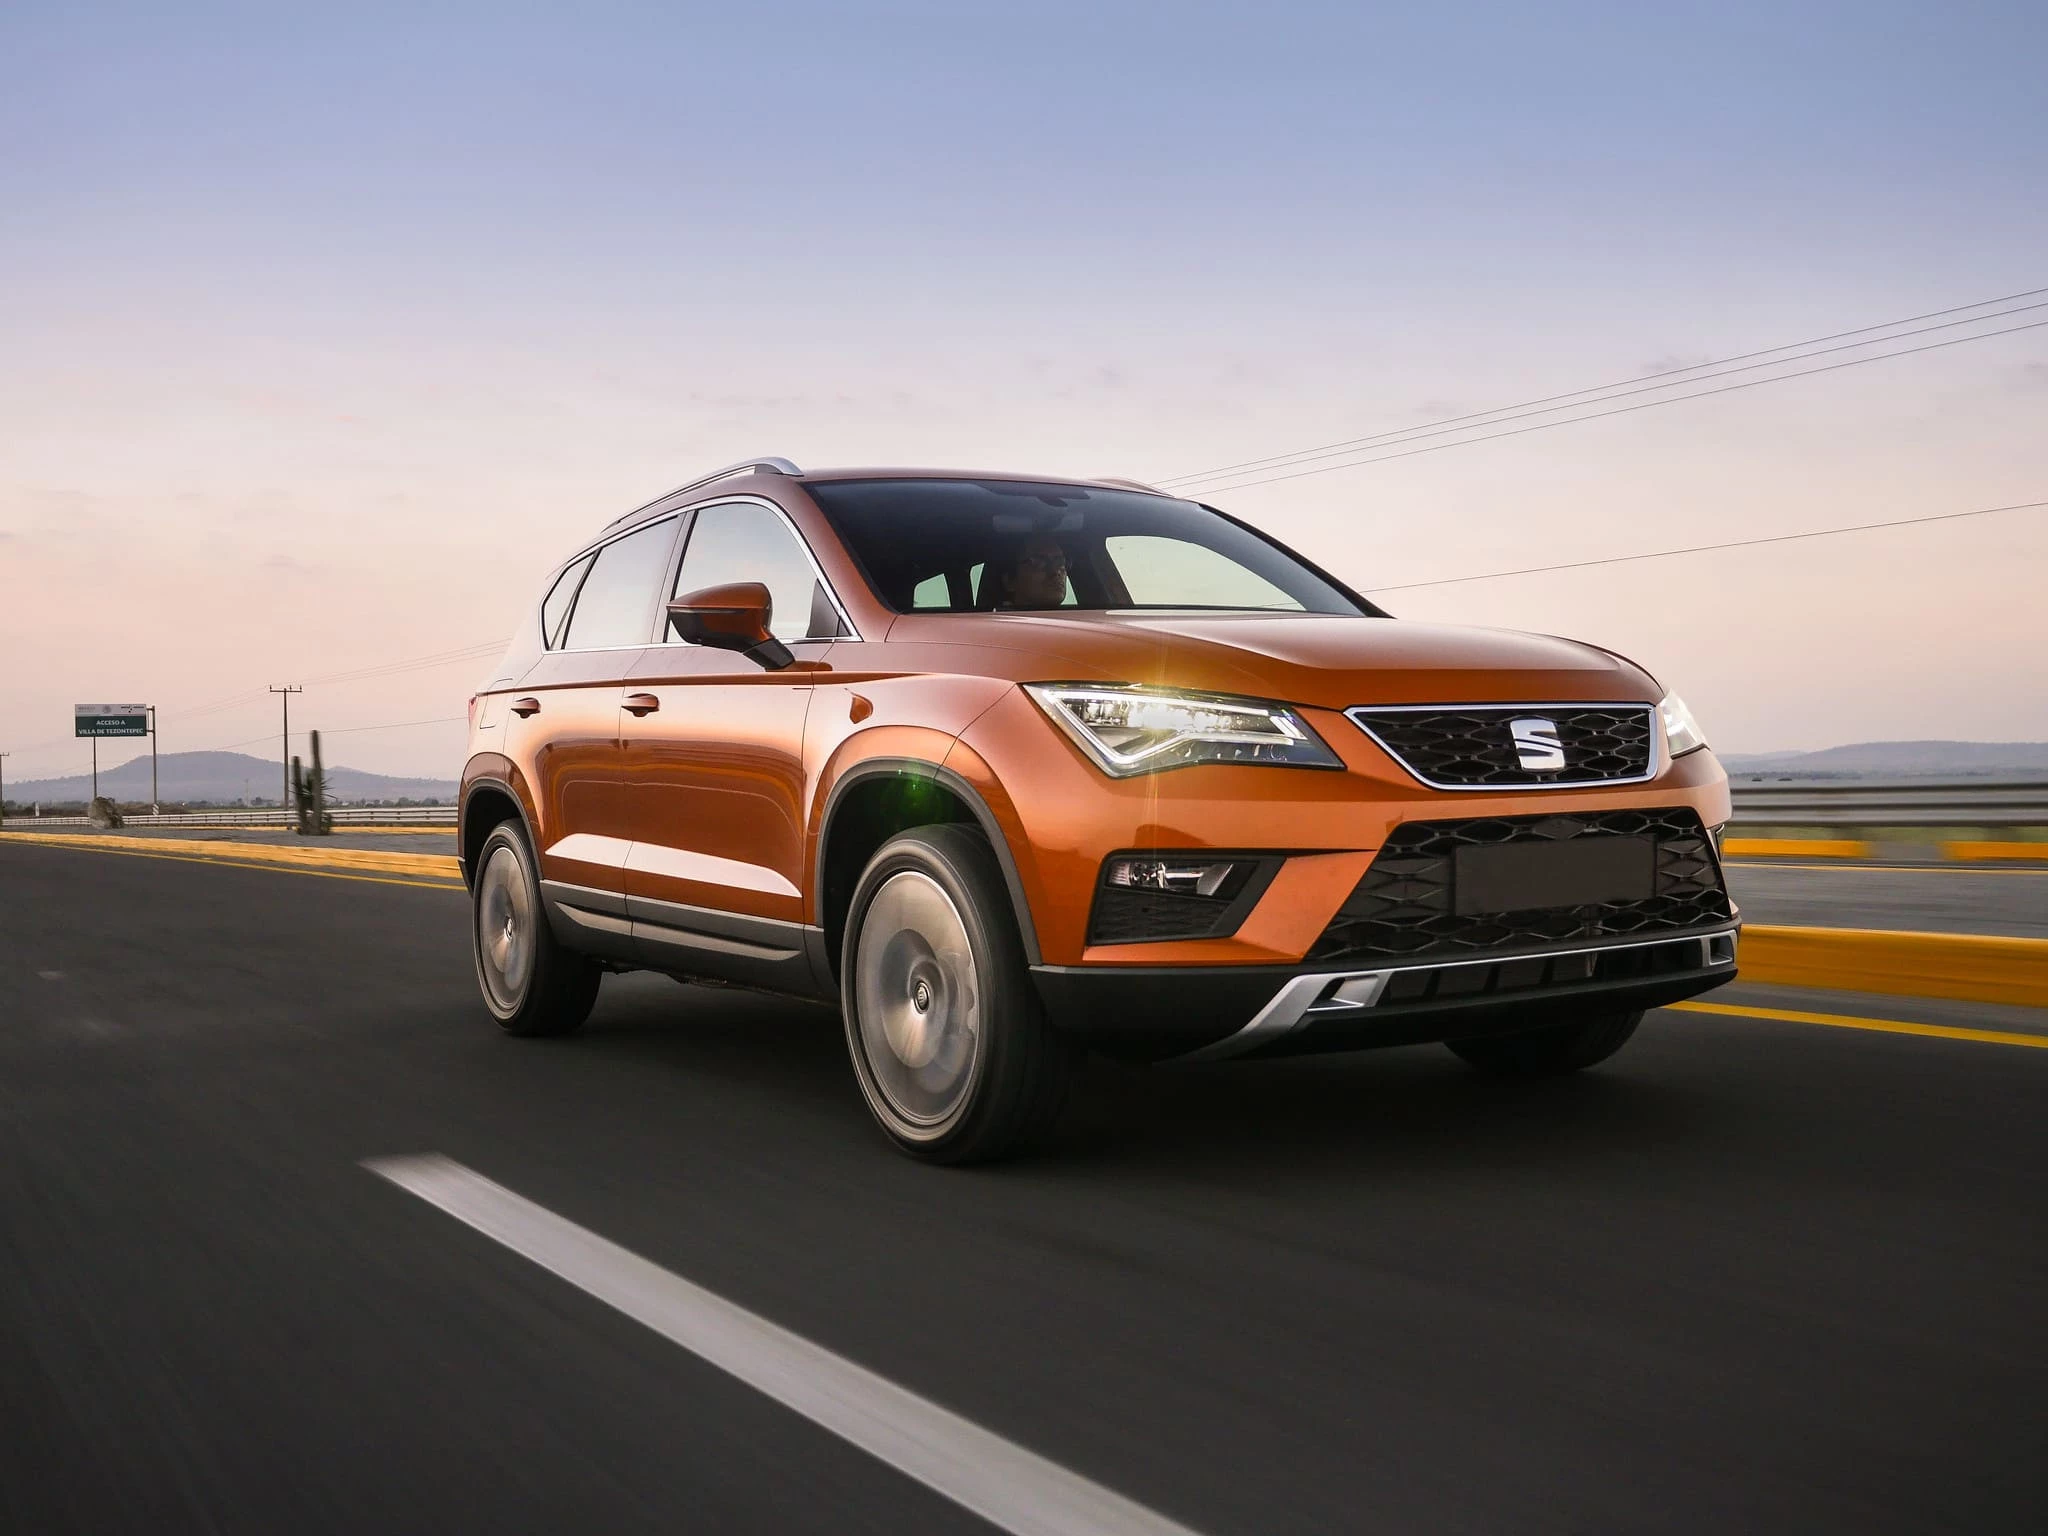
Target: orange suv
[1009, 767]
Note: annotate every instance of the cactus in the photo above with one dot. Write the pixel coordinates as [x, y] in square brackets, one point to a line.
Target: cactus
[309, 795]
[322, 822]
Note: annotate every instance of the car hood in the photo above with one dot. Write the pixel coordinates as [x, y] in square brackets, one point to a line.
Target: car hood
[1328, 660]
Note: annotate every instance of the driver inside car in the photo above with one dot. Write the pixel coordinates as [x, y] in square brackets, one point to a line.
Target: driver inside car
[1033, 574]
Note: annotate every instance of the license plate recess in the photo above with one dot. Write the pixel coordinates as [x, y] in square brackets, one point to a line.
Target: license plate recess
[1527, 877]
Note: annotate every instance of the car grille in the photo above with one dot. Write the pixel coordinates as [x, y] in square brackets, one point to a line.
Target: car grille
[1473, 746]
[1405, 907]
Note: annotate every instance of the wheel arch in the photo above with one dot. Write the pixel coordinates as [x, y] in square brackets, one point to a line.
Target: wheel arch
[875, 800]
[487, 802]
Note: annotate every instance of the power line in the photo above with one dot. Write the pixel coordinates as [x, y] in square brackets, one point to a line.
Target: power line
[414, 664]
[1596, 389]
[1701, 549]
[345, 730]
[1623, 410]
[399, 725]
[1514, 413]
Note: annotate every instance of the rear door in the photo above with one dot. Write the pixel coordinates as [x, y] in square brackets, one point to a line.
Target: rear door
[715, 764]
[564, 725]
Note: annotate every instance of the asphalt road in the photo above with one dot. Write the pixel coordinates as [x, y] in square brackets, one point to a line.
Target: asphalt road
[1750, 1276]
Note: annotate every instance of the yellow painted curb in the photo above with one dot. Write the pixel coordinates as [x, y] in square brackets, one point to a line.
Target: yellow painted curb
[1971, 853]
[1879, 1026]
[424, 866]
[344, 829]
[1796, 847]
[1967, 967]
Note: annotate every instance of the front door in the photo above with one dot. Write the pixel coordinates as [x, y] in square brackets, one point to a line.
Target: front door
[714, 761]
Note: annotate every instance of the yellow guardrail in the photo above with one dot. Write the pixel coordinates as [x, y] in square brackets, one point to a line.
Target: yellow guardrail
[1797, 847]
[1953, 852]
[1978, 853]
[1966, 967]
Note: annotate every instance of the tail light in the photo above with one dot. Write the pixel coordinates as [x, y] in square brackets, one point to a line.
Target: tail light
[472, 710]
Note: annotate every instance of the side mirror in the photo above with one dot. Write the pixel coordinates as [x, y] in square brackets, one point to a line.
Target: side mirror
[733, 617]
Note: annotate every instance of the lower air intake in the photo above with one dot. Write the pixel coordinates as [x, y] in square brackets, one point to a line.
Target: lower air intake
[1407, 905]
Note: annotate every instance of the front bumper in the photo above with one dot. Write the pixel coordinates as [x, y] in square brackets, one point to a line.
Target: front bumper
[1060, 817]
[1207, 1012]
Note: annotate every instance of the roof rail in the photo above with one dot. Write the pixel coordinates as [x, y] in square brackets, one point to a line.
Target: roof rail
[772, 466]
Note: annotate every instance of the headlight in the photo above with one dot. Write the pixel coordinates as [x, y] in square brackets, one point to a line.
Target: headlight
[1130, 730]
[1680, 729]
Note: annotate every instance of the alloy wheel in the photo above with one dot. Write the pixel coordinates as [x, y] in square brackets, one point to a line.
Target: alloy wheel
[918, 997]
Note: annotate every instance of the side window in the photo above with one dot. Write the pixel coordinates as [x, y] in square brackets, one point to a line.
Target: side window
[616, 605]
[932, 592]
[555, 607]
[744, 541]
[1162, 572]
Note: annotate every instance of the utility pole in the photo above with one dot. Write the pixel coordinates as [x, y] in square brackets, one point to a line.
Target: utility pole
[154, 808]
[287, 690]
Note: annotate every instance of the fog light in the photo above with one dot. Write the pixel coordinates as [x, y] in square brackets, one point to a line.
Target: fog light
[1148, 897]
[1183, 877]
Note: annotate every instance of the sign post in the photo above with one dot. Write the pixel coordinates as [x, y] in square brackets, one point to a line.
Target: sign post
[97, 720]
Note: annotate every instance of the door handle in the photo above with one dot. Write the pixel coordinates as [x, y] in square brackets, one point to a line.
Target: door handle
[640, 704]
[524, 707]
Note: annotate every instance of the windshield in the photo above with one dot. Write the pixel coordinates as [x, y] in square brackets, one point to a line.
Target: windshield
[981, 546]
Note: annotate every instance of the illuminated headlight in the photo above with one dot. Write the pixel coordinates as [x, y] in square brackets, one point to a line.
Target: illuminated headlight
[1680, 729]
[1137, 730]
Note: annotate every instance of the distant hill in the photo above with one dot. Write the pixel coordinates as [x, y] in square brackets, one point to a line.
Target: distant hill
[221, 778]
[1901, 759]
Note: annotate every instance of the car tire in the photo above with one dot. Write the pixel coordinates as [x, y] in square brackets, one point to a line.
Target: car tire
[1550, 1051]
[530, 982]
[950, 1043]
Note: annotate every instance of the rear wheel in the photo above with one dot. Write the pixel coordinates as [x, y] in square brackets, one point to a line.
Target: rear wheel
[531, 984]
[949, 1040]
[1546, 1052]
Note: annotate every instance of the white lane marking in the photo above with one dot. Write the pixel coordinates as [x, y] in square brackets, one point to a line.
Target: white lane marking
[1002, 1482]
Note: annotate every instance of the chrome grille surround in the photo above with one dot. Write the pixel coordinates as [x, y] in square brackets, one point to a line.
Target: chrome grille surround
[1470, 746]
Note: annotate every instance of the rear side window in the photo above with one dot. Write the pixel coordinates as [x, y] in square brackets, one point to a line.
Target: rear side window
[616, 606]
[744, 541]
[554, 610]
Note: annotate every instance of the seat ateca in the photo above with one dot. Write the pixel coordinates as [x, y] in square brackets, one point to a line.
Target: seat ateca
[1010, 767]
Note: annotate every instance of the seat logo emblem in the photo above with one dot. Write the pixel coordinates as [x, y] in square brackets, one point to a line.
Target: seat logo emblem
[1536, 745]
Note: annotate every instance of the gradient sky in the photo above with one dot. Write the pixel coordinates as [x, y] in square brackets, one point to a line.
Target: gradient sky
[323, 332]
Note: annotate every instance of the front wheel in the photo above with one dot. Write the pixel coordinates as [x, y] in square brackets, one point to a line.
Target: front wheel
[949, 1040]
[531, 984]
[1547, 1052]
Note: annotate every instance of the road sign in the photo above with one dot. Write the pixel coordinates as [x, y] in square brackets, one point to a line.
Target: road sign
[110, 720]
